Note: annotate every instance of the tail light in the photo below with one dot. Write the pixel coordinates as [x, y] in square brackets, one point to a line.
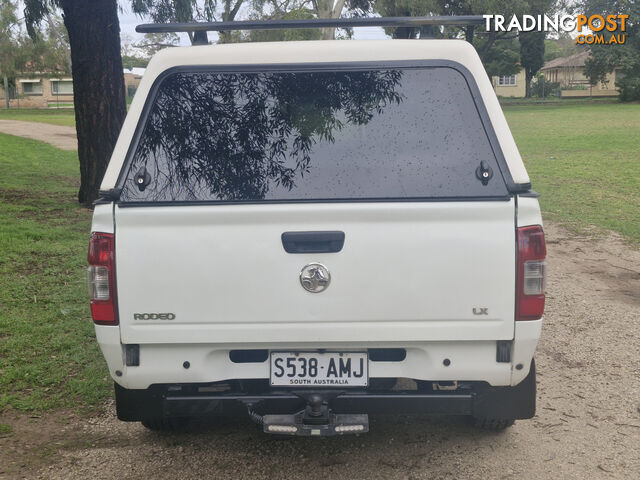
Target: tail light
[532, 252]
[102, 283]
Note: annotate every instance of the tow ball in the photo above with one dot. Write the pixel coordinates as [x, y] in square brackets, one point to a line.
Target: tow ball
[316, 419]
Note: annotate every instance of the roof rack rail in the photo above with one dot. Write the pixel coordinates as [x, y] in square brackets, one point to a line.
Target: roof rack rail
[199, 29]
[311, 23]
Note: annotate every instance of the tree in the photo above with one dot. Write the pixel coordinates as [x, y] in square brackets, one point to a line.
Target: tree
[98, 83]
[531, 55]
[503, 58]
[133, 61]
[47, 52]
[154, 42]
[302, 9]
[625, 58]
[562, 46]
[498, 51]
[532, 44]
[227, 10]
[405, 8]
[54, 45]
[162, 11]
[281, 10]
[10, 39]
[328, 9]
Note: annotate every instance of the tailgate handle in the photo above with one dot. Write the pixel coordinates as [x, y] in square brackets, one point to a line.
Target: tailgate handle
[313, 242]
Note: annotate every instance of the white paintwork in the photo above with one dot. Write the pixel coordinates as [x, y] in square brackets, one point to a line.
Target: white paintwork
[318, 52]
[471, 361]
[528, 212]
[103, 218]
[527, 335]
[409, 275]
[407, 272]
[109, 341]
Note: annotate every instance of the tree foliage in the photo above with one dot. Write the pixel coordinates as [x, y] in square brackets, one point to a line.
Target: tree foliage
[281, 10]
[562, 46]
[498, 50]
[625, 58]
[12, 59]
[47, 51]
[162, 11]
[502, 58]
[404, 8]
[542, 88]
[303, 9]
[152, 43]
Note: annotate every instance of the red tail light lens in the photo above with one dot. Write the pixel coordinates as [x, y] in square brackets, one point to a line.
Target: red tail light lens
[102, 285]
[532, 252]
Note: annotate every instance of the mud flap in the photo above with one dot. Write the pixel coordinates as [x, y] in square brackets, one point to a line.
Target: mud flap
[136, 405]
[508, 403]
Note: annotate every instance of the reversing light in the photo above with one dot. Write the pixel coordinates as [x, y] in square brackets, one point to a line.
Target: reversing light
[349, 428]
[282, 428]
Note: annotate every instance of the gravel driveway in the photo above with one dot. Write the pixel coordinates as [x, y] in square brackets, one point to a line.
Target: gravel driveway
[587, 423]
[60, 136]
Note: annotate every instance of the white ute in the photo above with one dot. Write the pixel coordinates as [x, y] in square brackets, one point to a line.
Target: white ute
[310, 232]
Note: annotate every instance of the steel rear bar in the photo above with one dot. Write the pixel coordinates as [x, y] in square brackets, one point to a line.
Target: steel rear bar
[446, 404]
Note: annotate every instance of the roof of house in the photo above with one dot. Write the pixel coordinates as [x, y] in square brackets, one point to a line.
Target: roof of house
[575, 60]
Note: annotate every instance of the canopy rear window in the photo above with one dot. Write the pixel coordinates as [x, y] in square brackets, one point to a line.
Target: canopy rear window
[412, 133]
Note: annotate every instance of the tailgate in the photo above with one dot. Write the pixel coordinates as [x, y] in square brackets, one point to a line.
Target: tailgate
[407, 272]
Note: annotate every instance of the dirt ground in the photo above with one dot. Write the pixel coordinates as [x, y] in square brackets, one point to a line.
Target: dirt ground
[60, 136]
[587, 423]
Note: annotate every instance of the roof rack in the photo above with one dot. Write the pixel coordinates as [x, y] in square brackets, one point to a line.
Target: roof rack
[199, 29]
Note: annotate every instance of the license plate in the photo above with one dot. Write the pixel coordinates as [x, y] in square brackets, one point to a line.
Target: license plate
[314, 369]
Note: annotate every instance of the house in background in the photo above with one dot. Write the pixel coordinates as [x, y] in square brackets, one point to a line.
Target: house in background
[40, 91]
[51, 91]
[510, 85]
[132, 77]
[569, 73]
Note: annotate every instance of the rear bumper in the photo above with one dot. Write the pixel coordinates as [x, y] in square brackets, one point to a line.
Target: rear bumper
[477, 399]
[468, 360]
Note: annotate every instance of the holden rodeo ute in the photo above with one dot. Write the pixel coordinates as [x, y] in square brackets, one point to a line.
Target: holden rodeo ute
[311, 232]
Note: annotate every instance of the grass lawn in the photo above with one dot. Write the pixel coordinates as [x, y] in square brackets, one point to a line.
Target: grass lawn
[584, 159]
[55, 116]
[48, 354]
[555, 100]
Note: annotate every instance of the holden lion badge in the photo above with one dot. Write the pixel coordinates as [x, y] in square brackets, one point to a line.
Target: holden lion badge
[315, 277]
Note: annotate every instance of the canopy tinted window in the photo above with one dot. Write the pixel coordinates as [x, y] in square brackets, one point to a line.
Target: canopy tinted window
[268, 136]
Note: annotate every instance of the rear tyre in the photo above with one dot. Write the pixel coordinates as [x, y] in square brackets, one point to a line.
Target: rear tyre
[492, 424]
[165, 424]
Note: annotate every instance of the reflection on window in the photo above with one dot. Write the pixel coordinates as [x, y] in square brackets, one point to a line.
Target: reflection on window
[218, 136]
[61, 87]
[32, 88]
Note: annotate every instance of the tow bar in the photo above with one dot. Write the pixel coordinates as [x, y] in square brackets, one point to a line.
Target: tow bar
[316, 419]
